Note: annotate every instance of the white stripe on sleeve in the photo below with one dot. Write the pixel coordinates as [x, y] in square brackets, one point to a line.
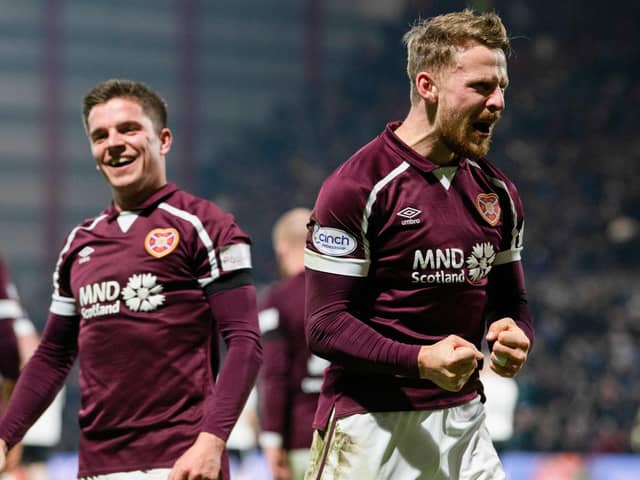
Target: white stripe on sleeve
[350, 267]
[10, 309]
[63, 306]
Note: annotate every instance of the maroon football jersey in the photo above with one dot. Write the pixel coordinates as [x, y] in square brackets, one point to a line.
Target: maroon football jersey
[291, 375]
[10, 309]
[129, 291]
[399, 255]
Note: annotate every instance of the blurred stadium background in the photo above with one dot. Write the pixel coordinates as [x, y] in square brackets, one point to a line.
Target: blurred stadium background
[266, 97]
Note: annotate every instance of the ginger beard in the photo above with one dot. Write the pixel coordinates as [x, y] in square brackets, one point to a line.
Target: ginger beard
[466, 135]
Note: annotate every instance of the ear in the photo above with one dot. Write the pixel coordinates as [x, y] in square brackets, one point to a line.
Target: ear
[426, 87]
[166, 137]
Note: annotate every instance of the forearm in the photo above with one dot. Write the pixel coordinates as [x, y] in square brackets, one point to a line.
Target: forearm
[344, 339]
[507, 297]
[236, 313]
[334, 333]
[41, 379]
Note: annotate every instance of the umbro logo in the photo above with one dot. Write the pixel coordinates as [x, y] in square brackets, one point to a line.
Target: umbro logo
[85, 254]
[409, 214]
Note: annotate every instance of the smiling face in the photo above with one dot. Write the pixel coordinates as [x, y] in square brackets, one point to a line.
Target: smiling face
[129, 150]
[471, 99]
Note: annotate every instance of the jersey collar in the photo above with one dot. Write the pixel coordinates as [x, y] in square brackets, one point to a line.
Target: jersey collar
[149, 204]
[409, 154]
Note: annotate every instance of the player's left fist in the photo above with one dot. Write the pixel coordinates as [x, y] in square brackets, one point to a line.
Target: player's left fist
[510, 347]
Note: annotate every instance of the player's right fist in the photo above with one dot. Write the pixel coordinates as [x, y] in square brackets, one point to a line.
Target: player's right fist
[449, 363]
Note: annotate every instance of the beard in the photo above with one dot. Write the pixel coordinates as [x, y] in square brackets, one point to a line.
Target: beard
[460, 137]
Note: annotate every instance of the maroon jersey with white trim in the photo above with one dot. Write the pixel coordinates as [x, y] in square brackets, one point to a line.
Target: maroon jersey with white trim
[419, 242]
[147, 339]
[291, 375]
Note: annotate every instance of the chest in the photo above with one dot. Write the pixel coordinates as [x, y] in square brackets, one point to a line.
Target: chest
[438, 231]
[137, 264]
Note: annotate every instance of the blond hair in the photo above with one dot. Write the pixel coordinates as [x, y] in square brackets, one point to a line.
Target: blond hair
[431, 43]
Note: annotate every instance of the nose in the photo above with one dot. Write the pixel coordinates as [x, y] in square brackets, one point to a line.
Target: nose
[115, 142]
[495, 101]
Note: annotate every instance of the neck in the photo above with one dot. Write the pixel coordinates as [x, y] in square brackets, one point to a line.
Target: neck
[419, 132]
[124, 201]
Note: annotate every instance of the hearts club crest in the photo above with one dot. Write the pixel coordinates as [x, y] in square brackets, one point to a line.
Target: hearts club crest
[160, 242]
[489, 207]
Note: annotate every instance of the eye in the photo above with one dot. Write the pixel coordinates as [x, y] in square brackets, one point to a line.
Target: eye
[483, 87]
[98, 136]
[129, 127]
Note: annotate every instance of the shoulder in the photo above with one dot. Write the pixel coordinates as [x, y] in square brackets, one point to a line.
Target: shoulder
[188, 206]
[80, 237]
[364, 173]
[369, 164]
[87, 227]
[206, 224]
[489, 170]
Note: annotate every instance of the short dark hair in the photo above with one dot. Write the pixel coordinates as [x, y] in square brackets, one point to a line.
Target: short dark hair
[152, 103]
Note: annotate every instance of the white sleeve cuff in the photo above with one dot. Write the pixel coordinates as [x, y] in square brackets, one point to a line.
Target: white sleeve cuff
[270, 439]
[23, 326]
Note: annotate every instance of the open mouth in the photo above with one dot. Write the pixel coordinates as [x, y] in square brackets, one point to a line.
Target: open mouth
[120, 162]
[483, 127]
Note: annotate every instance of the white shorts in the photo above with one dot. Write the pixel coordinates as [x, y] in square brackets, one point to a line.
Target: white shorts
[448, 444]
[155, 474]
[299, 460]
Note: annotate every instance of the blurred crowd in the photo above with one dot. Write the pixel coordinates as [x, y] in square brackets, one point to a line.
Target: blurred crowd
[568, 139]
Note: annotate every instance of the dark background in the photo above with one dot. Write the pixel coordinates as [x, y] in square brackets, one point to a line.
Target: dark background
[267, 97]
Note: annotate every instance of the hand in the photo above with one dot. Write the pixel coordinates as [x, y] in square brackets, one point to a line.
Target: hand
[201, 461]
[510, 349]
[449, 363]
[9, 459]
[13, 458]
[278, 461]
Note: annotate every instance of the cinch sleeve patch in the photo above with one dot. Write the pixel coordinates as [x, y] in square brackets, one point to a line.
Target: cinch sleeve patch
[333, 241]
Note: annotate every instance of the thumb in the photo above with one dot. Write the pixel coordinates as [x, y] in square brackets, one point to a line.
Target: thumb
[468, 351]
[496, 327]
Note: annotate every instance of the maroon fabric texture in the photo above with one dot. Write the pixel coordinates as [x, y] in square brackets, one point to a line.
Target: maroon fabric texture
[130, 304]
[398, 257]
[291, 376]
